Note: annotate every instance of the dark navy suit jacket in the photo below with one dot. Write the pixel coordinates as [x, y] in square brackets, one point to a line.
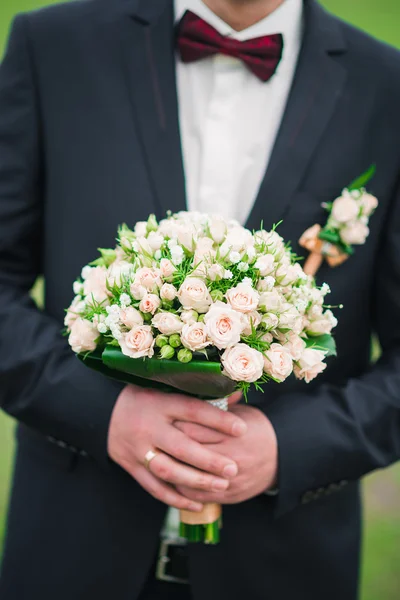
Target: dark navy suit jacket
[89, 138]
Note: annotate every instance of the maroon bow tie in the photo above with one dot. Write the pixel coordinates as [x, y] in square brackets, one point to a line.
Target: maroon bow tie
[197, 39]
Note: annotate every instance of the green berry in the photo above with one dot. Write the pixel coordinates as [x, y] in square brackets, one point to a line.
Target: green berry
[184, 355]
[167, 352]
[175, 340]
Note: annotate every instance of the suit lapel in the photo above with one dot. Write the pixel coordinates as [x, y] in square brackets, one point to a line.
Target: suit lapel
[148, 48]
[316, 90]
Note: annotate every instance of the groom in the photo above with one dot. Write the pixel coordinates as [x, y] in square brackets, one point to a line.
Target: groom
[111, 110]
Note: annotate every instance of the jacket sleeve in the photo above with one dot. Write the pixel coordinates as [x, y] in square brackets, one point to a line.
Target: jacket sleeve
[42, 384]
[338, 434]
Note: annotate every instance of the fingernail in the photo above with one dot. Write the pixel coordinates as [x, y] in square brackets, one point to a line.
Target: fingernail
[239, 428]
[219, 485]
[195, 507]
[230, 471]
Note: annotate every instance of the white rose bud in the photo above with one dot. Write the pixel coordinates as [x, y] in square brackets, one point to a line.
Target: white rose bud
[168, 292]
[369, 203]
[167, 323]
[218, 229]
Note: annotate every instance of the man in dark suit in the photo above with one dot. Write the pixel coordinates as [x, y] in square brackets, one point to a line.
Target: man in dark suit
[91, 135]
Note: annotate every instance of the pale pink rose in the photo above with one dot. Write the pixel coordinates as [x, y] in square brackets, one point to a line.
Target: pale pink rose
[310, 364]
[320, 326]
[76, 308]
[354, 233]
[295, 345]
[278, 363]
[95, 285]
[286, 275]
[83, 336]
[138, 342]
[242, 363]
[149, 304]
[194, 294]
[194, 337]
[148, 278]
[155, 240]
[141, 228]
[215, 272]
[265, 264]
[271, 301]
[224, 325]
[250, 321]
[168, 292]
[167, 269]
[130, 317]
[189, 316]
[117, 271]
[291, 319]
[167, 323]
[270, 320]
[345, 209]
[204, 250]
[369, 203]
[137, 291]
[218, 229]
[243, 298]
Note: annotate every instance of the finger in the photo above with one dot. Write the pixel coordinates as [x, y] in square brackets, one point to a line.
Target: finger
[178, 445]
[165, 493]
[198, 433]
[197, 411]
[204, 497]
[171, 471]
[235, 398]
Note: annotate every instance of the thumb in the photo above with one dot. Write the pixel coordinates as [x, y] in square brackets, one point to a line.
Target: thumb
[235, 398]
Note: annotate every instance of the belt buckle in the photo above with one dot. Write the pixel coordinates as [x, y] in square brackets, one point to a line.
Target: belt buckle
[164, 560]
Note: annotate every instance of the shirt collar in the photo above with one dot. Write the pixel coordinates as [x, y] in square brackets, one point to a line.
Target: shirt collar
[287, 19]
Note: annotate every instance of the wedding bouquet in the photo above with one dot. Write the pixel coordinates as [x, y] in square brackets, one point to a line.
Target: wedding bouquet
[202, 306]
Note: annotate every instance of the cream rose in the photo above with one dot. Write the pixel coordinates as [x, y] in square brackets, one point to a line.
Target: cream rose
[83, 336]
[155, 240]
[204, 250]
[130, 317]
[295, 345]
[345, 209]
[242, 363]
[194, 294]
[278, 363]
[320, 326]
[167, 323]
[167, 269]
[168, 292]
[265, 264]
[194, 336]
[148, 278]
[95, 284]
[137, 291]
[224, 325]
[354, 233]
[310, 364]
[369, 203]
[250, 321]
[270, 301]
[218, 229]
[243, 298]
[141, 228]
[149, 303]
[189, 316]
[138, 343]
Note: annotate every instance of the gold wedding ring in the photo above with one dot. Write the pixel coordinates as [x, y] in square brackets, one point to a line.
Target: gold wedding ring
[149, 457]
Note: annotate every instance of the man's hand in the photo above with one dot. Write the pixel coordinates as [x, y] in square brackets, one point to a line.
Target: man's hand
[144, 420]
[255, 453]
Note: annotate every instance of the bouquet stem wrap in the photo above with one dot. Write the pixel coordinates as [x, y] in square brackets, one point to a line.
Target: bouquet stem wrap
[205, 525]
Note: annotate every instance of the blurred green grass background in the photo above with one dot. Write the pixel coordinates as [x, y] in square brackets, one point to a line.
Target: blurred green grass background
[381, 577]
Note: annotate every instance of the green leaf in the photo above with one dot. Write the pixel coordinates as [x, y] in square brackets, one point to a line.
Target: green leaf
[197, 378]
[363, 179]
[322, 342]
[328, 235]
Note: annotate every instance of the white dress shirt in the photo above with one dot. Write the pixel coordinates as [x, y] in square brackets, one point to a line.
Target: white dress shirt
[229, 119]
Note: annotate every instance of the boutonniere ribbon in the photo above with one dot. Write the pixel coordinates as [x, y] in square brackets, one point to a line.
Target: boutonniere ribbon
[347, 225]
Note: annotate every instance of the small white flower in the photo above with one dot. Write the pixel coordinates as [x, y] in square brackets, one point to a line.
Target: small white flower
[325, 289]
[86, 272]
[234, 257]
[243, 267]
[102, 328]
[228, 274]
[125, 300]
[78, 288]
[116, 332]
[171, 244]
[177, 254]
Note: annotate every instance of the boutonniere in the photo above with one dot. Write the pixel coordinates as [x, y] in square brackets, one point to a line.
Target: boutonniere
[347, 225]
